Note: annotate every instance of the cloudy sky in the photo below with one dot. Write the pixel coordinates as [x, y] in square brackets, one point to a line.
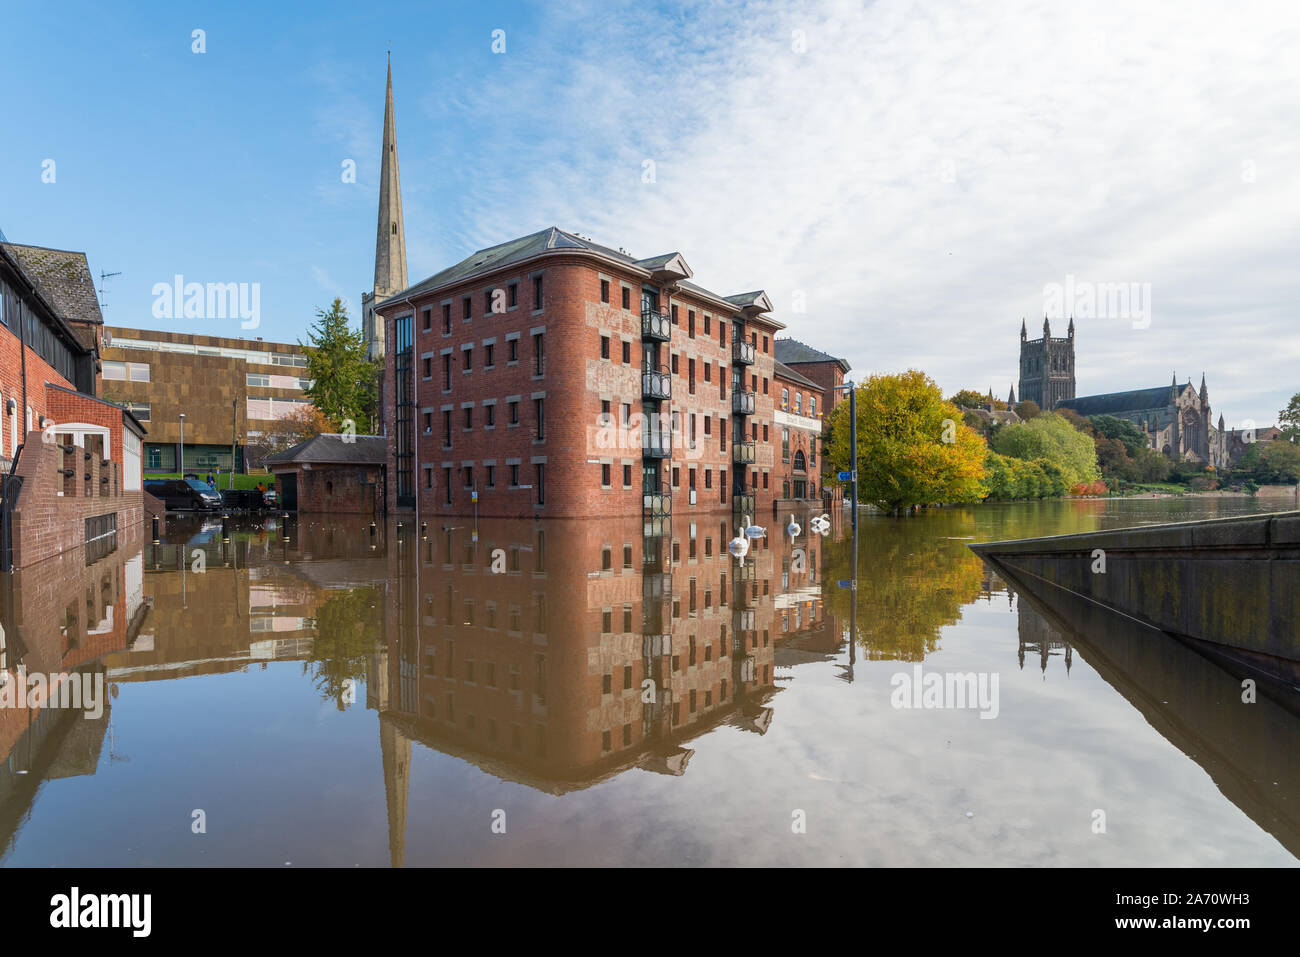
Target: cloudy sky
[904, 179]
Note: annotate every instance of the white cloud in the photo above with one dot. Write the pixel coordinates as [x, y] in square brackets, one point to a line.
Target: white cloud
[918, 174]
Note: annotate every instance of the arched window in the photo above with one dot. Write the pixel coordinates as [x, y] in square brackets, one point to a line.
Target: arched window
[799, 464]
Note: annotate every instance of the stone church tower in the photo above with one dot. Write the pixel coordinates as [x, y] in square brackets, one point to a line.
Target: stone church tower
[390, 237]
[1046, 366]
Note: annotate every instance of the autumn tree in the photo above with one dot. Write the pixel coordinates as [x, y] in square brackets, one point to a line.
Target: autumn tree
[913, 447]
[1288, 419]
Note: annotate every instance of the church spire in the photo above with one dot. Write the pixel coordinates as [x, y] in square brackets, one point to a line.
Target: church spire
[1071, 332]
[1011, 399]
[1024, 333]
[1047, 328]
[1205, 394]
[390, 238]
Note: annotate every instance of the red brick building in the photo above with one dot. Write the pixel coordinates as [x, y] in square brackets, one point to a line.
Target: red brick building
[798, 424]
[552, 376]
[71, 461]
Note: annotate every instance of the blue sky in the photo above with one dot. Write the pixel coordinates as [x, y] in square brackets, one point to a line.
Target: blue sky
[904, 180]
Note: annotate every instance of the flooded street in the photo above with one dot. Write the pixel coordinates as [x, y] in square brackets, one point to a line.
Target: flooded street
[570, 692]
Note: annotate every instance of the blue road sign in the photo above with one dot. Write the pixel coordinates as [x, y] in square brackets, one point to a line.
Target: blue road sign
[844, 476]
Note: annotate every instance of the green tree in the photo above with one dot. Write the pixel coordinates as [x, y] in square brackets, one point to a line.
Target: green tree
[1051, 439]
[913, 447]
[345, 383]
[1112, 427]
[969, 399]
[1272, 463]
[348, 628]
[1029, 409]
[1288, 419]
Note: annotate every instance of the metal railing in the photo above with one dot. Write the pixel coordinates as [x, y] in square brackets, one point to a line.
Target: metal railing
[655, 325]
[656, 382]
[742, 402]
[744, 453]
[742, 353]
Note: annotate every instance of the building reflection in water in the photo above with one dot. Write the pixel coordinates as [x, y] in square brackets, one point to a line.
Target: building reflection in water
[560, 654]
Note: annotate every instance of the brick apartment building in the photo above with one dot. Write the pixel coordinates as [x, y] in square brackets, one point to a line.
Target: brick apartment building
[229, 389]
[553, 376]
[72, 462]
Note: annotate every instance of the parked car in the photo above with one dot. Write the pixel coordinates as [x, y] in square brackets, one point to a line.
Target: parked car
[270, 497]
[184, 494]
[243, 499]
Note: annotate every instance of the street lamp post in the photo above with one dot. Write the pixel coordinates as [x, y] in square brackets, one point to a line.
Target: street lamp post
[853, 444]
[182, 461]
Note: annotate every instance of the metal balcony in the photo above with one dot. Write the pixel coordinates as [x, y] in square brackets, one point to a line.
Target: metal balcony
[656, 445]
[742, 402]
[656, 382]
[742, 353]
[656, 504]
[655, 325]
[744, 453]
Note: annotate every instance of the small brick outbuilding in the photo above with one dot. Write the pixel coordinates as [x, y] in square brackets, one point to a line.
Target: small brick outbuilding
[343, 474]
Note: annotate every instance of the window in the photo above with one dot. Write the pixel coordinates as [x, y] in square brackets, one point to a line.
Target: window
[114, 371]
[604, 347]
[490, 412]
[446, 318]
[604, 475]
[513, 351]
[690, 324]
[427, 316]
[537, 293]
[512, 295]
[488, 359]
[491, 474]
[627, 476]
[539, 410]
[466, 308]
[469, 418]
[785, 398]
[141, 410]
[446, 485]
[627, 353]
[446, 428]
[446, 372]
[604, 412]
[468, 353]
[604, 290]
[514, 413]
[785, 446]
[706, 325]
[627, 298]
[428, 423]
[539, 484]
[812, 405]
[539, 357]
[428, 370]
[514, 476]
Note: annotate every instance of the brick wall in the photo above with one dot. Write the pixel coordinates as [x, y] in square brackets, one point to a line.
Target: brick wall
[11, 387]
[337, 489]
[50, 512]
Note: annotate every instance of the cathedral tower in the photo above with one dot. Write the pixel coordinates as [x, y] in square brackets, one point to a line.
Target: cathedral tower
[1046, 366]
[390, 235]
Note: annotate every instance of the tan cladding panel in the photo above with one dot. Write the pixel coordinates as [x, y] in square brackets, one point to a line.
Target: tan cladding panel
[214, 342]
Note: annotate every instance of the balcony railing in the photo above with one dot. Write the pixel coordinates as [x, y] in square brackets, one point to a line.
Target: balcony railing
[742, 353]
[655, 325]
[742, 402]
[656, 504]
[656, 445]
[744, 453]
[656, 382]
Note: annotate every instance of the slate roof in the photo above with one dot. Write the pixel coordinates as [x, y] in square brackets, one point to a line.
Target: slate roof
[779, 368]
[1110, 403]
[330, 449]
[793, 352]
[64, 279]
[550, 239]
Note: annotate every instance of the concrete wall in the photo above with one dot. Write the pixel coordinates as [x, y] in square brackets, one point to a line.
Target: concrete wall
[1233, 582]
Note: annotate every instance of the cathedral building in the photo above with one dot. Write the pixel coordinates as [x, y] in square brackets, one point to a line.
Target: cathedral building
[1176, 419]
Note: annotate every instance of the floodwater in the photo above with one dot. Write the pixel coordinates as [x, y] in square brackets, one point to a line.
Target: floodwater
[582, 692]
